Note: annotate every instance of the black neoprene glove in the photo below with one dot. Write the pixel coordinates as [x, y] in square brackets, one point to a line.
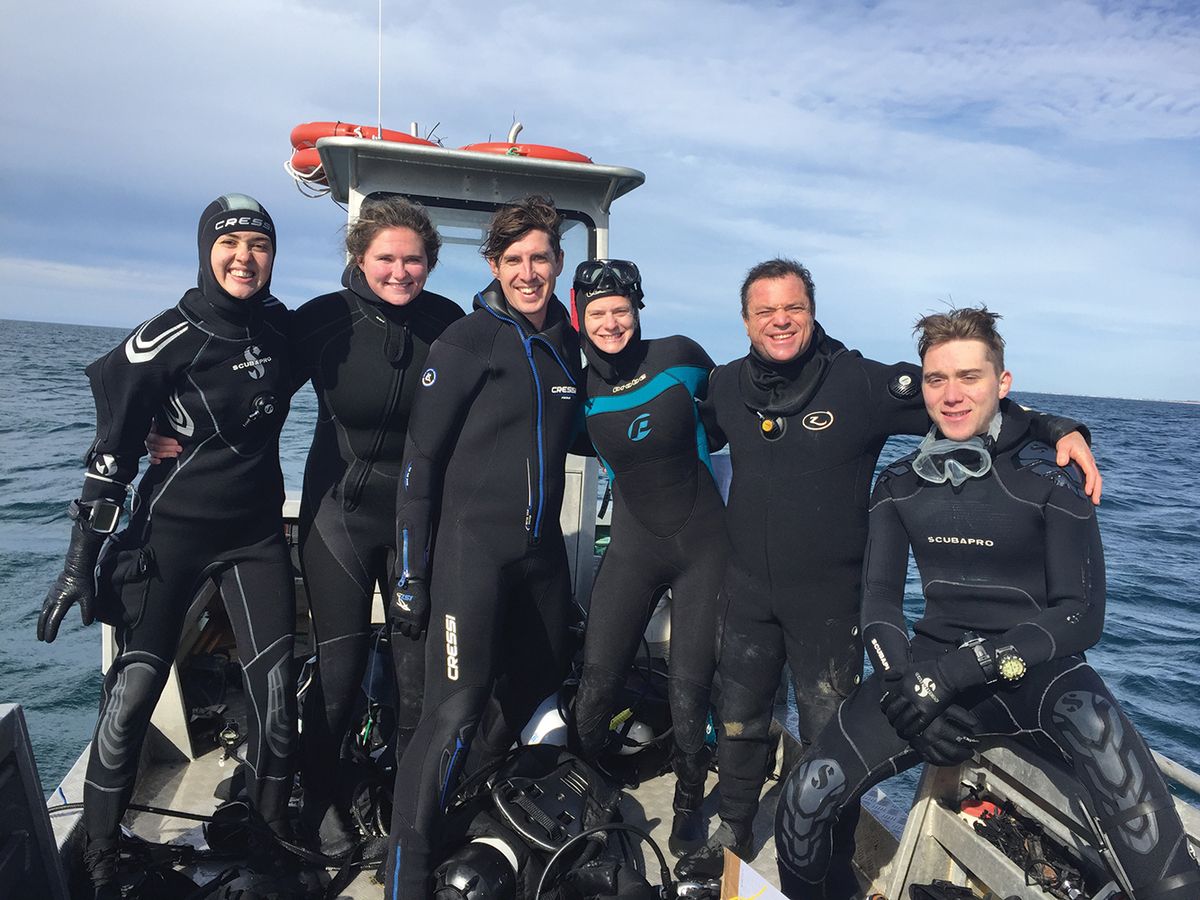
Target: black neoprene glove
[924, 690]
[75, 584]
[408, 610]
[950, 738]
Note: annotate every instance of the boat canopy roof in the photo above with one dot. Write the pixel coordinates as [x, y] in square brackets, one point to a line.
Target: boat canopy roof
[461, 189]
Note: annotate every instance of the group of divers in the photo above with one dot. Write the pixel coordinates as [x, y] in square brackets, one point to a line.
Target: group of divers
[437, 472]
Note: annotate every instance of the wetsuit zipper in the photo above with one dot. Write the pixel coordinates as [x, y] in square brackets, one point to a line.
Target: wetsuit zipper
[350, 498]
[535, 534]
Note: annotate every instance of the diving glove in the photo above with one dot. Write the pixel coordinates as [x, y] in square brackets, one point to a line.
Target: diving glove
[950, 738]
[75, 584]
[409, 609]
[923, 691]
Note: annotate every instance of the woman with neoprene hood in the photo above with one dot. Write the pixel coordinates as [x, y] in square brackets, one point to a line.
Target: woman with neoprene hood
[213, 372]
[363, 348]
[666, 523]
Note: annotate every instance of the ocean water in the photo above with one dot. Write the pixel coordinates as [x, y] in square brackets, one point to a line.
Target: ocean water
[1150, 519]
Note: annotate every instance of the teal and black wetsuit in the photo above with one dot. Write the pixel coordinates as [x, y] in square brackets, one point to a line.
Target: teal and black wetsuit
[667, 531]
[365, 358]
[1015, 557]
[480, 493]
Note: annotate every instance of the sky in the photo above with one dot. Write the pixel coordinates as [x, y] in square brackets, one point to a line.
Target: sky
[1040, 157]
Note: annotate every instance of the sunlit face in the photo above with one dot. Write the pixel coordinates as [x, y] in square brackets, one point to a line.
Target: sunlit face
[962, 388]
[527, 271]
[779, 317]
[395, 265]
[609, 323]
[241, 262]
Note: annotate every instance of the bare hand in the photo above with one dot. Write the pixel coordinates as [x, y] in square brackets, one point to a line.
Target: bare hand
[1073, 448]
[162, 447]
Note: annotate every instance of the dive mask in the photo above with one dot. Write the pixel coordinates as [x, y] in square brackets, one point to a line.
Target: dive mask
[940, 460]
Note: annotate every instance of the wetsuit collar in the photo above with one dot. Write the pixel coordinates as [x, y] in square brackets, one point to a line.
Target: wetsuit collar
[492, 298]
[224, 315]
[397, 343]
[782, 389]
[615, 367]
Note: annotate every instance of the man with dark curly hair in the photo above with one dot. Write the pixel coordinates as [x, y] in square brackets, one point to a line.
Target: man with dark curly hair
[482, 565]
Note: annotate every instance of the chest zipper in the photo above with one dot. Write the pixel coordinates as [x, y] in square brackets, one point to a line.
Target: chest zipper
[351, 497]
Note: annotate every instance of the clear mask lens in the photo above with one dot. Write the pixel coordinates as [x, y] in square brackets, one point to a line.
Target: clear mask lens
[940, 459]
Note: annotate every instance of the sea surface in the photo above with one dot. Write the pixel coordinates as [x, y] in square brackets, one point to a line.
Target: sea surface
[1150, 519]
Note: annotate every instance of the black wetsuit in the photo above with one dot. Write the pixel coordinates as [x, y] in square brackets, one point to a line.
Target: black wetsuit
[797, 523]
[482, 486]
[1014, 556]
[667, 531]
[364, 357]
[215, 376]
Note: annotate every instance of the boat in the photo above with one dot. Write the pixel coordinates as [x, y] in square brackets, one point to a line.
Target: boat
[191, 752]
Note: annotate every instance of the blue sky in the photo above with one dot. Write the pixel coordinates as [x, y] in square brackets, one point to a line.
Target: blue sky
[1041, 157]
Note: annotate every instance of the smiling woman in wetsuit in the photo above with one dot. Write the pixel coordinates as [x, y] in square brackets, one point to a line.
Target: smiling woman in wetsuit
[212, 372]
[666, 526]
[364, 348]
[360, 346]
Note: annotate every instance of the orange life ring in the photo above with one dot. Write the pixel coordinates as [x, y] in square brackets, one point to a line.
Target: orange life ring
[306, 135]
[306, 161]
[536, 151]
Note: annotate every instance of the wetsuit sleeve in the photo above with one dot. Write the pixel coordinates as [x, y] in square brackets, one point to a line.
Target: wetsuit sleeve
[885, 564]
[708, 410]
[449, 384]
[309, 329]
[581, 443]
[128, 395]
[1075, 581]
[1049, 428]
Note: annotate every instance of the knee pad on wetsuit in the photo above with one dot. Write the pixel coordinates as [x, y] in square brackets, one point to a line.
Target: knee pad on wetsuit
[811, 800]
[1108, 756]
[130, 693]
[273, 693]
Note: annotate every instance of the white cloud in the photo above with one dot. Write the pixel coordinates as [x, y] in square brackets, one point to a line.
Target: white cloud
[1040, 156]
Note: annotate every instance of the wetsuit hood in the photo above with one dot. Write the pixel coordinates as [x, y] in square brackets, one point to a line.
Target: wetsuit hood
[782, 389]
[228, 213]
[492, 298]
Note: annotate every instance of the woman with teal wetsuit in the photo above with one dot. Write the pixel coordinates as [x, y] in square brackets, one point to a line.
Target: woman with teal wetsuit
[667, 523]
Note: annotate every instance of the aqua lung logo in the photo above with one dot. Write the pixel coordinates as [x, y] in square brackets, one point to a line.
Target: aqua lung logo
[254, 364]
[965, 541]
[451, 648]
[639, 428]
[566, 391]
[428, 377]
[818, 421]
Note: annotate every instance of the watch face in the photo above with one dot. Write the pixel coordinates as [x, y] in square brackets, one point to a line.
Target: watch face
[1012, 667]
